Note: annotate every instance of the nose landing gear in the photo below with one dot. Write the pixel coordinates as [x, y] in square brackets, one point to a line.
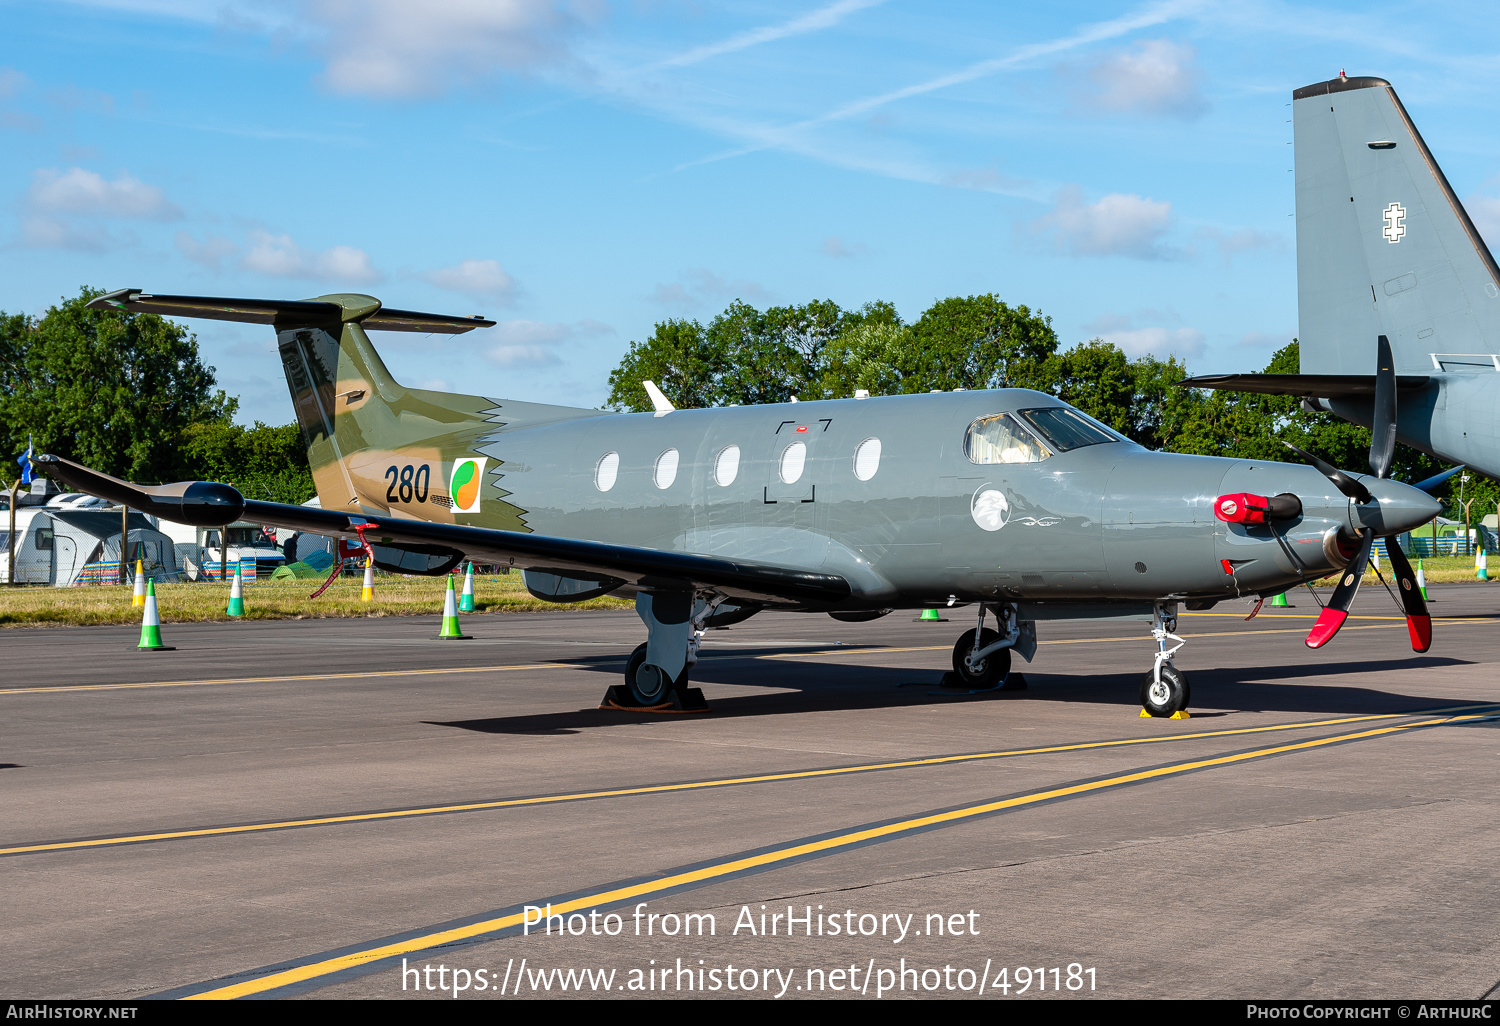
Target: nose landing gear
[1164, 691]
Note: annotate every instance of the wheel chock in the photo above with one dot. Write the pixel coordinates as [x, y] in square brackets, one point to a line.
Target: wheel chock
[1015, 682]
[1145, 715]
[1180, 714]
[684, 700]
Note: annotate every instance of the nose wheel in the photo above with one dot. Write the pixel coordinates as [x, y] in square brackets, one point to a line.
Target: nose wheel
[1164, 691]
[1167, 694]
[983, 673]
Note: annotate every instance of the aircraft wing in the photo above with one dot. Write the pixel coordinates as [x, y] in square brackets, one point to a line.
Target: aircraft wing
[1321, 386]
[208, 504]
[271, 311]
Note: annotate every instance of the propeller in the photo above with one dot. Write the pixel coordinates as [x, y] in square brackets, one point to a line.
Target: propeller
[1382, 452]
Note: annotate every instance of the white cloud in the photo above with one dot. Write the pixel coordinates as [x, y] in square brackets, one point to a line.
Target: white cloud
[281, 257]
[1231, 244]
[394, 48]
[484, 279]
[211, 252]
[839, 249]
[40, 231]
[1157, 77]
[532, 343]
[76, 191]
[1116, 225]
[1186, 343]
[700, 286]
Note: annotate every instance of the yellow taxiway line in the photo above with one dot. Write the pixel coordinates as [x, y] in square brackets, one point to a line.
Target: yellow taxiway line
[698, 785]
[787, 853]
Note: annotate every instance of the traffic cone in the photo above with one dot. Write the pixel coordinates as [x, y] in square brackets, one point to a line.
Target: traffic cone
[236, 595]
[466, 600]
[930, 615]
[451, 630]
[139, 598]
[1484, 567]
[151, 625]
[367, 593]
[1280, 602]
[1422, 582]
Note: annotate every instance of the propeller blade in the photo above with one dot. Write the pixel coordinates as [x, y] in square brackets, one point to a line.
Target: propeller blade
[1342, 481]
[1337, 611]
[1436, 479]
[1418, 621]
[1383, 431]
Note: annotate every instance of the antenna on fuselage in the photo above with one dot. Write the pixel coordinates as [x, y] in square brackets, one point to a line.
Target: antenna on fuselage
[663, 406]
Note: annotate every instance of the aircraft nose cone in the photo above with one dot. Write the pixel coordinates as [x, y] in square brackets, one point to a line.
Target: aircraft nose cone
[1397, 508]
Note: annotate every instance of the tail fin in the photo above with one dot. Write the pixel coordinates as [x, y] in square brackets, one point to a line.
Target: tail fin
[1384, 247]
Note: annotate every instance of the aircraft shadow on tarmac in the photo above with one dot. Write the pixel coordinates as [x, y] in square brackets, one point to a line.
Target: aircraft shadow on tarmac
[810, 686]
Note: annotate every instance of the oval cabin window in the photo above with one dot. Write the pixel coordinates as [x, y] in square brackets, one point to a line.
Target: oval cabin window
[727, 466]
[867, 459]
[665, 471]
[606, 470]
[793, 459]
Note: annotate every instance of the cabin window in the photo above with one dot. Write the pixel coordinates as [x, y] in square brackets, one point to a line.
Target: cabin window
[44, 538]
[665, 471]
[793, 459]
[1066, 429]
[727, 466]
[867, 458]
[606, 470]
[1002, 439]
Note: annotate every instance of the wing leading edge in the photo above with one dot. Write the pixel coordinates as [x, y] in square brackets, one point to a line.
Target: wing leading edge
[208, 504]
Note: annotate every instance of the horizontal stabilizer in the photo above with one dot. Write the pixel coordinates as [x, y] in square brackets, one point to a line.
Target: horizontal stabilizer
[1322, 386]
[286, 312]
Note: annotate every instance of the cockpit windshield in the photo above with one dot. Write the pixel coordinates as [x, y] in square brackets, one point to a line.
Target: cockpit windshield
[1066, 429]
[1002, 439]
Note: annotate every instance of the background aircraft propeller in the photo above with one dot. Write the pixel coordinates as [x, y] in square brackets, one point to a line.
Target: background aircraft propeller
[1382, 452]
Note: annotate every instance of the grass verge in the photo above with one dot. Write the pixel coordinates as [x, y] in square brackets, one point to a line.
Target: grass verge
[272, 600]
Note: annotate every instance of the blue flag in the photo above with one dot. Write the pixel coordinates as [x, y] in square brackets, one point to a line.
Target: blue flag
[25, 462]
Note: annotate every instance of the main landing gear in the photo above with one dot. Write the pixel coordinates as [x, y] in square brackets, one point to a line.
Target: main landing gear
[981, 657]
[1164, 691]
[657, 672]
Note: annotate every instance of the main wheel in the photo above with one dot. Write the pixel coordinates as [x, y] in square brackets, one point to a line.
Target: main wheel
[1166, 696]
[647, 683]
[992, 670]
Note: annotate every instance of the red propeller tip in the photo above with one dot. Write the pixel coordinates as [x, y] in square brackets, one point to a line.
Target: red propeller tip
[1420, 628]
[1329, 622]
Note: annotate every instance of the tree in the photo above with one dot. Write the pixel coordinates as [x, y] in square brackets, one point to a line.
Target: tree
[263, 462]
[978, 342]
[109, 389]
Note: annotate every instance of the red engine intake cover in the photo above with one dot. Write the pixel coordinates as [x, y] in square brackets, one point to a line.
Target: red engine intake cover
[1242, 508]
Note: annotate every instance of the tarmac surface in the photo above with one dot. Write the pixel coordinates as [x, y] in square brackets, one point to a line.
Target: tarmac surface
[300, 808]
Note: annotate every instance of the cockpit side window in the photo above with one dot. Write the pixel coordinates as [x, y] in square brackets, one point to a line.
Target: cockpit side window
[1002, 439]
[1066, 429]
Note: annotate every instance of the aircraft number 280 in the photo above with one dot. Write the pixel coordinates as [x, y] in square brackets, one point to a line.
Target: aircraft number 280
[407, 482]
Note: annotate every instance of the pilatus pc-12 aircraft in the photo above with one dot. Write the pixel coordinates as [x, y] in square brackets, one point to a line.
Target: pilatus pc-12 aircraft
[1008, 501]
[1391, 274]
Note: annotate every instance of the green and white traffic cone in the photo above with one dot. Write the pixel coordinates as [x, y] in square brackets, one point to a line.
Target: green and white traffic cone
[151, 625]
[466, 600]
[1483, 570]
[451, 631]
[236, 595]
[1422, 582]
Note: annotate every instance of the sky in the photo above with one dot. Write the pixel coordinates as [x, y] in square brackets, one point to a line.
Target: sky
[580, 170]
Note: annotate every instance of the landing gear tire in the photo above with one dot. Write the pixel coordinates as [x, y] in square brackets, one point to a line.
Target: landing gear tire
[994, 669]
[1167, 696]
[647, 683]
